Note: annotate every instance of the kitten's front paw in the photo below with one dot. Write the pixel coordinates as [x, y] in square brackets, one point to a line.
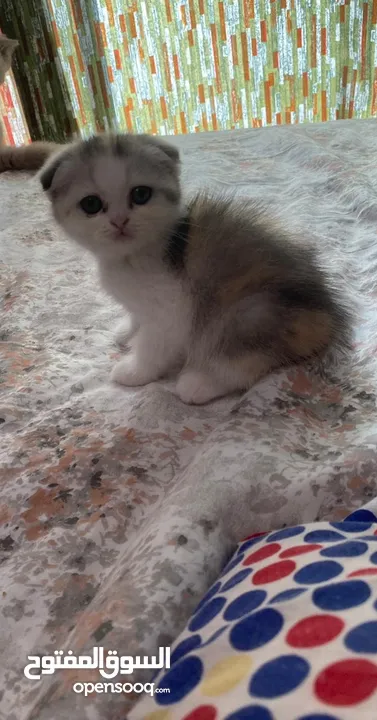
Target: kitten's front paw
[130, 372]
[124, 332]
[197, 388]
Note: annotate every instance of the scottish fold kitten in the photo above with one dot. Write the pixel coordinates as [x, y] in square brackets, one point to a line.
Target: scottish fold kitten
[210, 285]
[27, 157]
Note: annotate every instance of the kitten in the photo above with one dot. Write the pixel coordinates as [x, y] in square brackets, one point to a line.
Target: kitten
[212, 285]
[27, 157]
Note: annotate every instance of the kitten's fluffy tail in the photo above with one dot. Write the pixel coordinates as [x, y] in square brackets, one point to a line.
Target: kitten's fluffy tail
[26, 157]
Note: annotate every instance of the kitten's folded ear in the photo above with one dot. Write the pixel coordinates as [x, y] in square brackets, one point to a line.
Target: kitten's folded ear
[48, 171]
[169, 150]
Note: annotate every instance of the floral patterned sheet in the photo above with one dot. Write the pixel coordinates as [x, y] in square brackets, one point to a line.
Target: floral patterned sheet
[118, 507]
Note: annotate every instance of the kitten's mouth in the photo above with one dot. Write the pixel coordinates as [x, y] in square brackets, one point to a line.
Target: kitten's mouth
[122, 235]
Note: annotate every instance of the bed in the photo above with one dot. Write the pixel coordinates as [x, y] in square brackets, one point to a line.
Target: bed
[119, 507]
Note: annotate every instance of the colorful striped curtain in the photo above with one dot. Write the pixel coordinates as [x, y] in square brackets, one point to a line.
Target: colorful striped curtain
[177, 66]
[11, 114]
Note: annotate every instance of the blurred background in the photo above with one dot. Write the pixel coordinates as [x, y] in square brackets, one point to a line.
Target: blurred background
[184, 66]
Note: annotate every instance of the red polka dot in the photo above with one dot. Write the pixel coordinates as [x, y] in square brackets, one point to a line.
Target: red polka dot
[203, 712]
[262, 553]
[315, 630]
[299, 550]
[375, 532]
[274, 572]
[254, 535]
[347, 682]
[362, 572]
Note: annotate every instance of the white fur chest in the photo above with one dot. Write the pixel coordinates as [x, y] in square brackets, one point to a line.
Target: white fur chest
[153, 297]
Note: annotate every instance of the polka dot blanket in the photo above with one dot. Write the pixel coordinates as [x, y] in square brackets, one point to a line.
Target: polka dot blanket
[288, 632]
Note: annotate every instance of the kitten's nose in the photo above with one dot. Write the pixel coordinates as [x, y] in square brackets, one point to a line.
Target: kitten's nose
[119, 223]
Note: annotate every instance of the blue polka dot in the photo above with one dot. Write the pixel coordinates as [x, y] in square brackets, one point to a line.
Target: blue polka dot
[351, 526]
[180, 680]
[363, 638]
[206, 613]
[235, 579]
[373, 558]
[279, 676]
[286, 533]
[318, 536]
[317, 716]
[287, 595]
[184, 647]
[249, 543]
[211, 592]
[317, 572]
[368, 538]
[341, 595]
[244, 604]
[214, 637]
[256, 630]
[375, 605]
[251, 712]
[362, 516]
[232, 564]
[352, 548]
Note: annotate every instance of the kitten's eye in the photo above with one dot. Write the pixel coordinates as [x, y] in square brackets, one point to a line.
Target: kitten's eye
[140, 195]
[91, 204]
